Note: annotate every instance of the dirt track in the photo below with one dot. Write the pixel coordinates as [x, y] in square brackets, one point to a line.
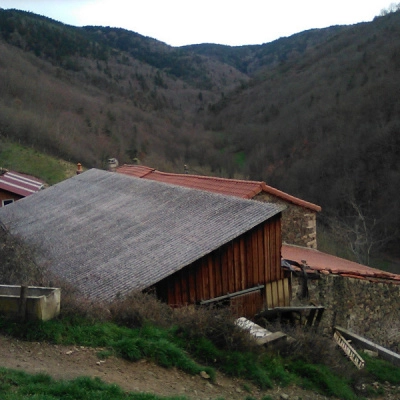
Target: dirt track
[69, 362]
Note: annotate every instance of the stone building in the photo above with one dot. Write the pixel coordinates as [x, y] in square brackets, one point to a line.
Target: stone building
[299, 219]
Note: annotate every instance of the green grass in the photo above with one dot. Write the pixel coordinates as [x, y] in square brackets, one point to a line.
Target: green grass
[320, 378]
[172, 348]
[27, 160]
[132, 344]
[382, 370]
[16, 385]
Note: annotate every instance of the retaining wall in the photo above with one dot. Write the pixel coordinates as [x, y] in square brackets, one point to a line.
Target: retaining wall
[369, 309]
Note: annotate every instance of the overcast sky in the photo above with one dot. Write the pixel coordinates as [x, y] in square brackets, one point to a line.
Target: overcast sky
[231, 22]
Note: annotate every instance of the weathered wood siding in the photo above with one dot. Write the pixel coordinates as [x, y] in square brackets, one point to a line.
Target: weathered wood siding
[5, 195]
[250, 260]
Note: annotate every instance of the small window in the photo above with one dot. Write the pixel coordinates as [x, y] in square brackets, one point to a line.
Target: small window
[7, 201]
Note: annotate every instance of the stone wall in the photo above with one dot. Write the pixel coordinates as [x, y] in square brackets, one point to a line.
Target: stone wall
[299, 224]
[369, 309]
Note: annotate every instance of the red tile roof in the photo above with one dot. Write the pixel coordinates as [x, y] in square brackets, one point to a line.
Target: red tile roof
[20, 184]
[140, 171]
[327, 263]
[231, 187]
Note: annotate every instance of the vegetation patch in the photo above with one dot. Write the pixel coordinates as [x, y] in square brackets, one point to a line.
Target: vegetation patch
[211, 345]
[19, 385]
[29, 161]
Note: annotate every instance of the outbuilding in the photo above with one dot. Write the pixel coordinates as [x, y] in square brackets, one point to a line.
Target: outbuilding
[110, 234]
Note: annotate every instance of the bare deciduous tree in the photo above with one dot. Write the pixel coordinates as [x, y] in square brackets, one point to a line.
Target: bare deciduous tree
[363, 234]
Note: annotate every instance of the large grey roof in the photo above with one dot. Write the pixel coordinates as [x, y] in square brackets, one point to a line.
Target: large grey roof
[109, 233]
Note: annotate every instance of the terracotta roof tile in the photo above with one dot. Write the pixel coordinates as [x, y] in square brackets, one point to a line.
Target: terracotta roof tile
[231, 187]
[324, 262]
[110, 233]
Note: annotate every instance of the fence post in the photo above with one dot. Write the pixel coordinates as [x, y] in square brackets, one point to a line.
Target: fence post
[22, 302]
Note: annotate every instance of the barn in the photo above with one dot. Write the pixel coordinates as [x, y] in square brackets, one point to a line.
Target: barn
[110, 234]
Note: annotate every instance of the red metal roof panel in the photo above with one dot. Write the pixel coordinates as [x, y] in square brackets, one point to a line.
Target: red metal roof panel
[139, 171]
[23, 185]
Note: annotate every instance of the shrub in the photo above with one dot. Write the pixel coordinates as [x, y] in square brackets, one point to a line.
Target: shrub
[310, 347]
[17, 265]
[215, 324]
[139, 309]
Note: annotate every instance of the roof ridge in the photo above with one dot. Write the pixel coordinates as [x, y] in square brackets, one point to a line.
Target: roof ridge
[291, 198]
[253, 187]
[208, 177]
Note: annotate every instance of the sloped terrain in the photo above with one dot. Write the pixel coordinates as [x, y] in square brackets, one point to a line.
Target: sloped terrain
[69, 362]
[315, 114]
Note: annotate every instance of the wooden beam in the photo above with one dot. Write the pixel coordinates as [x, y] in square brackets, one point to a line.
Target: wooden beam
[229, 295]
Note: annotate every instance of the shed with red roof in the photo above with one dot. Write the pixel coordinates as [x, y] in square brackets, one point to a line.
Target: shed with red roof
[15, 186]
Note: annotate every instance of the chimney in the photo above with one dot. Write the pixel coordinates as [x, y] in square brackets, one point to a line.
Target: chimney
[79, 168]
[112, 164]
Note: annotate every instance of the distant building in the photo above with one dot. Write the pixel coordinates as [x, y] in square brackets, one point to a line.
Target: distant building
[15, 186]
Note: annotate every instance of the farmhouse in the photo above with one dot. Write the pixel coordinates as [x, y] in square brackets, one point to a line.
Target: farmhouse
[299, 226]
[110, 234]
[15, 186]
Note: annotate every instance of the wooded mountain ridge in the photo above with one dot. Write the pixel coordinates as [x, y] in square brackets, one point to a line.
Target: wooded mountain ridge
[316, 114]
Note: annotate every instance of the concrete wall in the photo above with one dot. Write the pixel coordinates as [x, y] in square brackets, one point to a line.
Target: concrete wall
[299, 224]
[369, 309]
[41, 303]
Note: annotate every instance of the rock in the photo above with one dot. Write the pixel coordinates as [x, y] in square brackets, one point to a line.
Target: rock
[209, 386]
[204, 375]
[284, 396]
[371, 353]
[69, 352]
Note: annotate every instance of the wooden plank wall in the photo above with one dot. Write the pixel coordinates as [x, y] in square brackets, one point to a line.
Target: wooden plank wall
[247, 305]
[277, 293]
[252, 259]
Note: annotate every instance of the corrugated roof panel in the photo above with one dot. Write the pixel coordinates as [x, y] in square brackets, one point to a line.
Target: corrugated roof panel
[20, 184]
[111, 233]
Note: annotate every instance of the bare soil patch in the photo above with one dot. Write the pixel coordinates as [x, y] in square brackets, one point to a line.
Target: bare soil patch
[69, 362]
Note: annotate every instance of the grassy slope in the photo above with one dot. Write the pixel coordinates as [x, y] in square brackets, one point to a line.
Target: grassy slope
[170, 347]
[29, 161]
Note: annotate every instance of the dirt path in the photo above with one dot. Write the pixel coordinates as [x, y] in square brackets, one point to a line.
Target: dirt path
[69, 362]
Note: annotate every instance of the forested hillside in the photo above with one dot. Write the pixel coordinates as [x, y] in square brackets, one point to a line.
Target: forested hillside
[327, 128]
[316, 114]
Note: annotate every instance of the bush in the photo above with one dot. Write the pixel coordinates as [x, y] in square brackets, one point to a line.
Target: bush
[215, 324]
[17, 265]
[138, 309]
[311, 347]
